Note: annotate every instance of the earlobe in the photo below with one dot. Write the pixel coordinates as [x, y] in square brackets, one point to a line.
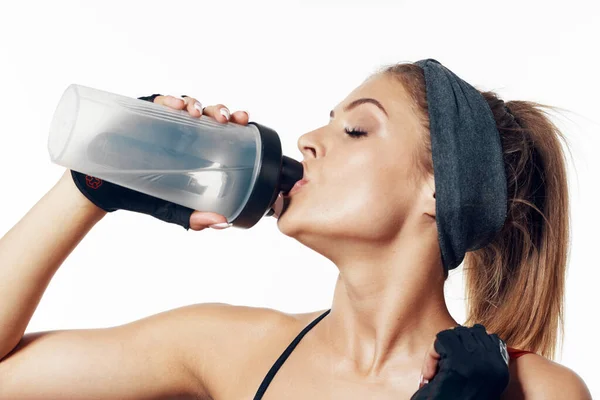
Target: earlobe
[430, 198]
[431, 206]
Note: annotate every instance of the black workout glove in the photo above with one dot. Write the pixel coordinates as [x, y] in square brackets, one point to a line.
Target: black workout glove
[111, 197]
[472, 365]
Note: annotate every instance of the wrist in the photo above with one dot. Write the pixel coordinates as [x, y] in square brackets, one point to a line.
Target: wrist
[67, 184]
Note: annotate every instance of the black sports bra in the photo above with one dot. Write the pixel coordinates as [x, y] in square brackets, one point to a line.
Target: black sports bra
[286, 353]
[513, 353]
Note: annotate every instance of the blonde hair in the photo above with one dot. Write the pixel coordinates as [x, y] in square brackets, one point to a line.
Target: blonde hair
[515, 285]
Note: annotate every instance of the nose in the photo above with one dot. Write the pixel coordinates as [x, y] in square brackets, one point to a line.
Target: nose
[309, 146]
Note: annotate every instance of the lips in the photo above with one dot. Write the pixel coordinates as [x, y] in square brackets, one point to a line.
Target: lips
[299, 183]
[297, 187]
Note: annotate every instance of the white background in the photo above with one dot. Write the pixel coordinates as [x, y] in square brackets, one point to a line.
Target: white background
[288, 64]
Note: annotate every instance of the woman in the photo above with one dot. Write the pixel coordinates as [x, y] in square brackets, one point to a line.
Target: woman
[370, 207]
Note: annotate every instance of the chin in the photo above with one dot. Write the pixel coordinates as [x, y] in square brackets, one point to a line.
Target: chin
[287, 223]
[295, 222]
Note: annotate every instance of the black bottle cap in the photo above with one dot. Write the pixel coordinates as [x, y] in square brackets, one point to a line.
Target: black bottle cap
[277, 173]
[291, 172]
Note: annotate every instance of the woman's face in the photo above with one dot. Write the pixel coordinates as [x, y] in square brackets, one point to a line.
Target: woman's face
[360, 188]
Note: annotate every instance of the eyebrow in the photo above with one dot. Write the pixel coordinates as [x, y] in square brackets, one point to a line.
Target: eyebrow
[358, 102]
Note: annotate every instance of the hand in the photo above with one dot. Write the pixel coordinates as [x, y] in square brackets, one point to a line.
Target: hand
[111, 197]
[193, 107]
[465, 363]
[200, 220]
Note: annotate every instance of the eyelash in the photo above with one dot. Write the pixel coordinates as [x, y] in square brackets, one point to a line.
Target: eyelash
[355, 132]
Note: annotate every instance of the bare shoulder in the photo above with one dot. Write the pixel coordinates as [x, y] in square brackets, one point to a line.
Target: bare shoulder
[221, 341]
[217, 331]
[535, 377]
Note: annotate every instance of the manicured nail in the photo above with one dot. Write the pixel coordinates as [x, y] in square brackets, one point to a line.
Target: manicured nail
[180, 98]
[422, 381]
[222, 225]
[198, 106]
[225, 112]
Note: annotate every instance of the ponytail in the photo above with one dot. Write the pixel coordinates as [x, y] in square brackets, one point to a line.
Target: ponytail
[515, 285]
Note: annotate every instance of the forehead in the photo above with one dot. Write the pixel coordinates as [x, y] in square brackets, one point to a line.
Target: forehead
[385, 89]
[392, 95]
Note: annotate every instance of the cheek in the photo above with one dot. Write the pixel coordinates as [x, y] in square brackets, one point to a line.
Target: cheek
[373, 197]
[371, 177]
[356, 179]
[362, 194]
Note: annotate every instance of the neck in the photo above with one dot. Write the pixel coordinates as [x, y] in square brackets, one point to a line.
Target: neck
[387, 308]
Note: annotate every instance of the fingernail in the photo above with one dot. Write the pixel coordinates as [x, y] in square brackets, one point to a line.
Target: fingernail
[198, 106]
[225, 112]
[422, 381]
[180, 98]
[222, 225]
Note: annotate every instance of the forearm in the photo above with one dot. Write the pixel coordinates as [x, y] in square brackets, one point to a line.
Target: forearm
[33, 250]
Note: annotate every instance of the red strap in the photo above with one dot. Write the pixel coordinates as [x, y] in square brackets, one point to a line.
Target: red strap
[516, 353]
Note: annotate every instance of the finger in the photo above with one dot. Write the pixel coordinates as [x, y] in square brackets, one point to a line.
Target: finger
[481, 335]
[447, 343]
[200, 220]
[430, 363]
[467, 338]
[171, 102]
[193, 106]
[218, 112]
[240, 117]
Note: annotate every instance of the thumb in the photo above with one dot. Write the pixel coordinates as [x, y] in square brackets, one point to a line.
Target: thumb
[430, 363]
[201, 219]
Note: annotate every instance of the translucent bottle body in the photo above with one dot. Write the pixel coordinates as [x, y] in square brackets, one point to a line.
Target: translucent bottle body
[195, 162]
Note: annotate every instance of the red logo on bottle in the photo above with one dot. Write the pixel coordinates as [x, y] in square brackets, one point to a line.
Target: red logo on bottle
[92, 182]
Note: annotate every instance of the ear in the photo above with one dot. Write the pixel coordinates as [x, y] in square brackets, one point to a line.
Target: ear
[429, 194]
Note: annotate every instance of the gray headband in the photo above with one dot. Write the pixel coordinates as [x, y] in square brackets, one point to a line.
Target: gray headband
[470, 182]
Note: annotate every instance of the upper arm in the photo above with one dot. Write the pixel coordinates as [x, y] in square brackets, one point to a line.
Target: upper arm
[538, 378]
[161, 356]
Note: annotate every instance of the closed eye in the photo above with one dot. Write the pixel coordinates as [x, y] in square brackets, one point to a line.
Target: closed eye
[355, 132]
